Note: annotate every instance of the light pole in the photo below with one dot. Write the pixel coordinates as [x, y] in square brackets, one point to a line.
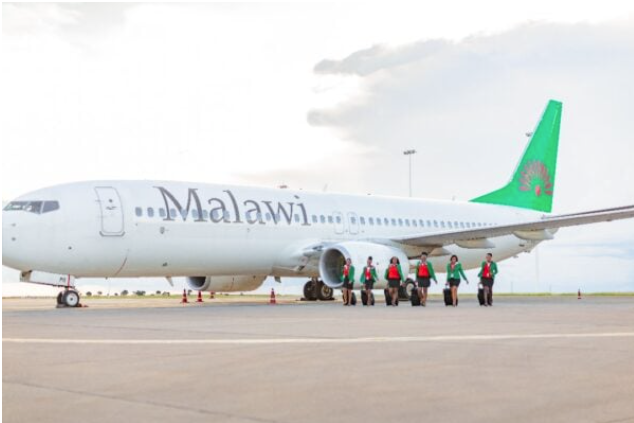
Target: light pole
[409, 154]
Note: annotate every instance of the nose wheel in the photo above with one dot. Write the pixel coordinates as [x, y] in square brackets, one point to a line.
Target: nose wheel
[68, 298]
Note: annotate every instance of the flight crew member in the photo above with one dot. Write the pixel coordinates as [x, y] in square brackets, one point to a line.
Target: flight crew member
[347, 277]
[368, 277]
[424, 274]
[454, 273]
[394, 277]
[488, 270]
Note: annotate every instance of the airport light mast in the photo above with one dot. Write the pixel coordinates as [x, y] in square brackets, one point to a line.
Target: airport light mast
[409, 154]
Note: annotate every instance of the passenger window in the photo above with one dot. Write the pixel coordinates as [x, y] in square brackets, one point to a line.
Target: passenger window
[468, 225]
[371, 221]
[297, 218]
[338, 219]
[330, 219]
[456, 224]
[378, 221]
[268, 217]
[226, 215]
[435, 223]
[462, 225]
[162, 212]
[173, 213]
[205, 214]
[442, 223]
[406, 222]
[150, 212]
[322, 219]
[400, 222]
[353, 220]
[449, 224]
[421, 223]
[314, 219]
[362, 220]
[386, 221]
[414, 223]
[393, 222]
[429, 223]
[138, 211]
[195, 214]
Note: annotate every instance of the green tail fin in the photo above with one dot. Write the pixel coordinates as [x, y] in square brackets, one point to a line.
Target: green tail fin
[533, 183]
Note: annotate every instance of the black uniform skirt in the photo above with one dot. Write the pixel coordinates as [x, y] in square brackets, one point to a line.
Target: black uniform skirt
[393, 283]
[347, 283]
[423, 282]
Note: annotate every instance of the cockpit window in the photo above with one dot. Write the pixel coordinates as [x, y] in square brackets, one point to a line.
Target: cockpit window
[36, 207]
[50, 206]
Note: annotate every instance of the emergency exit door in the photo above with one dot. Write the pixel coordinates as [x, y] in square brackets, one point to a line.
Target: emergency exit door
[112, 223]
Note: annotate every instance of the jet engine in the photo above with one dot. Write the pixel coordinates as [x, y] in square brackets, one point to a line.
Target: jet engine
[334, 257]
[225, 283]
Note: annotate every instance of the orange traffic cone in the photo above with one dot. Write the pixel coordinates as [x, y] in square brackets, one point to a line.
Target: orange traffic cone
[272, 300]
[184, 300]
[579, 294]
[211, 295]
[200, 297]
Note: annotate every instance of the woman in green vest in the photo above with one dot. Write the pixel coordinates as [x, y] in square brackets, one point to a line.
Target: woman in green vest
[394, 277]
[347, 277]
[454, 274]
[368, 277]
[488, 270]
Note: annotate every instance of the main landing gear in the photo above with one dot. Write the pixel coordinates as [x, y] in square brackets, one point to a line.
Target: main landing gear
[317, 290]
[68, 298]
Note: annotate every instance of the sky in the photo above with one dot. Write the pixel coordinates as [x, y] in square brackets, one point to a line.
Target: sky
[326, 97]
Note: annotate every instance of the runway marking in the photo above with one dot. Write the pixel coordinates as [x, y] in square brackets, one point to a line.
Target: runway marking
[275, 341]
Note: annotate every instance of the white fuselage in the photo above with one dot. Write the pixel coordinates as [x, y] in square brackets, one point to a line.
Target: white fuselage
[105, 228]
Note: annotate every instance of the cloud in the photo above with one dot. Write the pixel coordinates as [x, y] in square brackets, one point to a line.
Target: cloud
[71, 18]
[465, 106]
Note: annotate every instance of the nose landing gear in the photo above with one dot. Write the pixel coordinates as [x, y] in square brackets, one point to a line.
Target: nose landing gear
[68, 298]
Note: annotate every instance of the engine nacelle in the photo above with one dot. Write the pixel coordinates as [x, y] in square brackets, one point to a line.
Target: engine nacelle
[334, 257]
[225, 283]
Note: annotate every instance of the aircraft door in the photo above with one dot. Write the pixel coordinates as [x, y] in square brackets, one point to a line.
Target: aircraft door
[112, 223]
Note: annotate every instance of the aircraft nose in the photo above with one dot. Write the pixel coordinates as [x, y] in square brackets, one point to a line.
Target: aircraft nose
[9, 239]
[15, 241]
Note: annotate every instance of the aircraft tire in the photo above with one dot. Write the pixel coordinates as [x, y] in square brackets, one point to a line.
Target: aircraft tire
[309, 291]
[324, 292]
[71, 298]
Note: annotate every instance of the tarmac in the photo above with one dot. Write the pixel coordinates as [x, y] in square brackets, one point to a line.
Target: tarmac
[526, 359]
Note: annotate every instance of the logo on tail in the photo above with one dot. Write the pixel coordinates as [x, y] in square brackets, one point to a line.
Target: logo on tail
[535, 173]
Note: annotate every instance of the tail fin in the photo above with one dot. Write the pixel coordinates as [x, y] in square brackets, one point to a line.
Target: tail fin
[533, 183]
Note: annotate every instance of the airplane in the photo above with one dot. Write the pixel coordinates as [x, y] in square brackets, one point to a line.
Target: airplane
[226, 238]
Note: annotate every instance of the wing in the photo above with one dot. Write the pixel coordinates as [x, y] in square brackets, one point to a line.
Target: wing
[539, 230]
